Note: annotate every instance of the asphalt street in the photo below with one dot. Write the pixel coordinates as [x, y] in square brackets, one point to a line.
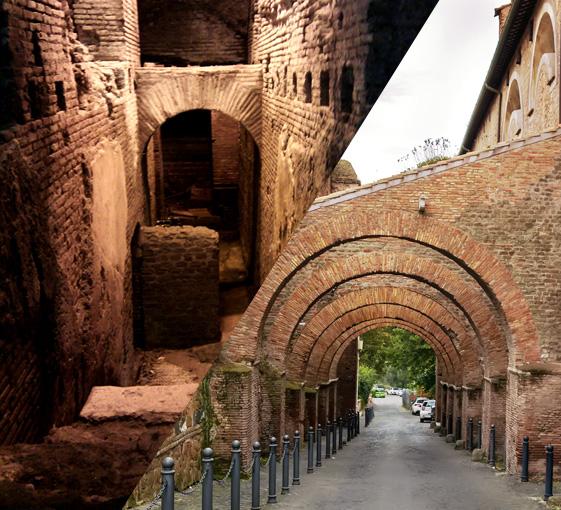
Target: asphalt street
[400, 464]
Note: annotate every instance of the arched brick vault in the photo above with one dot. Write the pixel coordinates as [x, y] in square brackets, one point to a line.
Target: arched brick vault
[332, 345]
[371, 324]
[324, 324]
[403, 267]
[487, 249]
[313, 346]
[163, 93]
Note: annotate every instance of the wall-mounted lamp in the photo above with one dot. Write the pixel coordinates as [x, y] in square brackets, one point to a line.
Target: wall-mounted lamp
[301, 324]
[422, 204]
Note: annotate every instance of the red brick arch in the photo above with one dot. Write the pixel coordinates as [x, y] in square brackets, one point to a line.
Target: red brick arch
[324, 351]
[332, 275]
[164, 93]
[321, 234]
[323, 330]
[373, 324]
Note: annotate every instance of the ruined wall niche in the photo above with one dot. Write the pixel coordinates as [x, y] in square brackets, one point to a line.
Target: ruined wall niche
[324, 88]
[513, 124]
[347, 89]
[194, 32]
[308, 87]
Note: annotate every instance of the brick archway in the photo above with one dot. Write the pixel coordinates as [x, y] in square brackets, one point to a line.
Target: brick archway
[163, 93]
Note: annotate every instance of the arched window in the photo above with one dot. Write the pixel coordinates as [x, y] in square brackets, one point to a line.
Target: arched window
[543, 59]
[324, 88]
[513, 116]
[347, 87]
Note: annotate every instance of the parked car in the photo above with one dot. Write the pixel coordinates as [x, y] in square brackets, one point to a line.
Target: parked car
[399, 392]
[380, 392]
[416, 407]
[427, 410]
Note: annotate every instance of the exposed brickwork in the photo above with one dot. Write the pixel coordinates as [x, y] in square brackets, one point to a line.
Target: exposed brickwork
[188, 257]
[194, 32]
[347, 379]
[528, 98]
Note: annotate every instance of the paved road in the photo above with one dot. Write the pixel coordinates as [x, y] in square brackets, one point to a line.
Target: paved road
[395, 464]
[400, 464]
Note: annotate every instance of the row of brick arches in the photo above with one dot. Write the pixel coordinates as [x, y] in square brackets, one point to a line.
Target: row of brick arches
[461, 274]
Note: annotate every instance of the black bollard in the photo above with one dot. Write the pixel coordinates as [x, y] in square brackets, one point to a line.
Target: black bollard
[548, 472]
[449, 428]
[311, 450]
[469, 440]
[458, 434]
[334, 437]
[208, 473]
[168, 480]
[328, 440]
[479, 435]
[492, 436]
[256, 477]
[272, 471]
[357, 423]
[341, 442]
[236, 476]
[349, 428]
[318, 444]
[285, 489]
[296, 459]
[443, 419]
[525, 459]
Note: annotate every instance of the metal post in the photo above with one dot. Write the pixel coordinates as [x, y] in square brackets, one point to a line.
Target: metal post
[236, 478]
[296, 459]
[449, 428]
[328, 440]
[492, 435]
[348, 420]
[479, 434]
[357, 423]
[340, 422]
[285, 489]
[256, 477]
[525, 459]
[272, 498]
[311, 450]
[469, 440]
[334, 437]
[318, 444]
[168, 480]
[548, 472]
[208, 473]
[458, 435]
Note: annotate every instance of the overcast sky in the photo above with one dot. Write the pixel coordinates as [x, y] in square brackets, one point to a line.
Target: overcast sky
[433, 91]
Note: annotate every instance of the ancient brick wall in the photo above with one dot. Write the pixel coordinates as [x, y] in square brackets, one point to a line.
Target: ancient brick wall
[71, 140]
[528, 98]
[194, 32]
[347, 373]
[179, 285]
[322, 72]
[109, 29]
[225, 150]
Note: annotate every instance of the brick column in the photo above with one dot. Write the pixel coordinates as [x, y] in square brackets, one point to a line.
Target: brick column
[531, 411]
[323, 404]
[311, 409]
[494, 413]
[471, 407]
[333, 401]
[294, 410]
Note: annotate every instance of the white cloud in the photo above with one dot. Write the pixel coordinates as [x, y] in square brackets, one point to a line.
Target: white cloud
[433, 91]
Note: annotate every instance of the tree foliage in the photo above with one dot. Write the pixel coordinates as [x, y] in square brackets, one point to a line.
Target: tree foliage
[367, 377]
[397, 358]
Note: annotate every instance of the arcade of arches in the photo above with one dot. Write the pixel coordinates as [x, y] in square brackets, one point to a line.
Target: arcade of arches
[476, 275]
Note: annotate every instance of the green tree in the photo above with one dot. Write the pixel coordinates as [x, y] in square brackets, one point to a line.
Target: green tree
[366, 379]
[398, 358]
